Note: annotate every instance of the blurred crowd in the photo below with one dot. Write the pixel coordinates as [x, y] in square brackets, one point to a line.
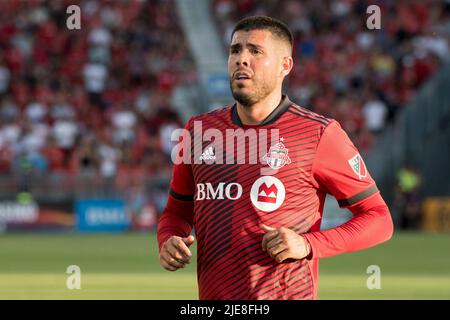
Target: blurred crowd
[93, 102]
[96, 102]
[343, 70]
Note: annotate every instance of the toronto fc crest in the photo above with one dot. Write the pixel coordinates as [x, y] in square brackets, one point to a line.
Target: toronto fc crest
[277, 157]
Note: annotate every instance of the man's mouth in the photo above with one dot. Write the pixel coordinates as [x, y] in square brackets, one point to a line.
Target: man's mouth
[241, 76]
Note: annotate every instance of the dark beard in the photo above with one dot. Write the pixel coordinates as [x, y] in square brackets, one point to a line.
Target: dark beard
[244, 99]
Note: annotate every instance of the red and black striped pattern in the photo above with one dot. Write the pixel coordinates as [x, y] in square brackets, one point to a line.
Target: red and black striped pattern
[231, 263]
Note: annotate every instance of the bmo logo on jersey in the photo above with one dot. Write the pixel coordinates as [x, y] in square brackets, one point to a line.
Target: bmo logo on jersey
[206, 191]
[267, 193]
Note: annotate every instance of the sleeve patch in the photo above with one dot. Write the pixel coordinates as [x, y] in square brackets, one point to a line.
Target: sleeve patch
[358, 166]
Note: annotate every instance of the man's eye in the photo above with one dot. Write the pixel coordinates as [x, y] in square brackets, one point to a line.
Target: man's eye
[255, 51]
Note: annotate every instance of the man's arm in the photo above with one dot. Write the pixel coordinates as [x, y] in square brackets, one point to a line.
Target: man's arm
[371, 224]
[176, 218]
[340, 170]
[174, 233]
[176, 222]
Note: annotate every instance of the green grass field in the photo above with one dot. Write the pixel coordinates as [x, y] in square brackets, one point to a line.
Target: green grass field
[125, 266]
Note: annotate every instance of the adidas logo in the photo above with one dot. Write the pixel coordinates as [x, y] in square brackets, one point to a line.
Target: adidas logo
[208, 154]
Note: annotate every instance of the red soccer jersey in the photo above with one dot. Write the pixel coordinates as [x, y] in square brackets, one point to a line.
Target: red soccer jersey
[226, 202]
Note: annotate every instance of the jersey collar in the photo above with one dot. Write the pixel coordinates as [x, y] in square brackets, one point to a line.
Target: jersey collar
[271, 118]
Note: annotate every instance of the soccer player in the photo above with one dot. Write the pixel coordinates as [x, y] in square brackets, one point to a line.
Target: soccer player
[257, 225]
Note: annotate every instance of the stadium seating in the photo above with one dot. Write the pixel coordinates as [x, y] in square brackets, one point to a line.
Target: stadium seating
[343, 70]
[85, 107]
[83, 110]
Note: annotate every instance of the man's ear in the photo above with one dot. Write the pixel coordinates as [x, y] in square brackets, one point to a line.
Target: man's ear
[286, 66]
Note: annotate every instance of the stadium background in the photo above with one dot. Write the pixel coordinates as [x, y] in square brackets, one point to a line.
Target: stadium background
[86, 117]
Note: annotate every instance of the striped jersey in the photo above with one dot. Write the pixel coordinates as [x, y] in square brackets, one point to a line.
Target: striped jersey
[278, 173]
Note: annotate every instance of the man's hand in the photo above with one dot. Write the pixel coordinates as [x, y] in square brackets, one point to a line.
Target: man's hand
[282, 243]
[175, 253]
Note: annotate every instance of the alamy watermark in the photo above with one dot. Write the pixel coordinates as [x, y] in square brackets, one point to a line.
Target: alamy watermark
[374, 280]
[234, 141]
[73, 22]
[374, 20]
[73, 281]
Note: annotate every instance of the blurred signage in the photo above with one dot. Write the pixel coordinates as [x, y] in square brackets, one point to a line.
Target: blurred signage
[436, 214]
[101, 215]
[13, 212]
[218, 84]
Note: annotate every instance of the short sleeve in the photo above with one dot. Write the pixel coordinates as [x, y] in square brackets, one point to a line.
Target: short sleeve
[339, 169]
[182, 185]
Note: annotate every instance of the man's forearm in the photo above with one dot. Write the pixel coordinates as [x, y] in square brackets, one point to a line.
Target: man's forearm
[176, 219]
[370, 225]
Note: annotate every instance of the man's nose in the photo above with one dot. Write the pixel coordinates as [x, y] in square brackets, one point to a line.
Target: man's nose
[242, 60]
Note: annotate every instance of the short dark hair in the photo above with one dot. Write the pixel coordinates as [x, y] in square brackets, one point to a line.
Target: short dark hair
[276, 27]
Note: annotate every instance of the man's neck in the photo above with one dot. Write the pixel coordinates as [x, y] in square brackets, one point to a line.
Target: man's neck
[258, 112]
